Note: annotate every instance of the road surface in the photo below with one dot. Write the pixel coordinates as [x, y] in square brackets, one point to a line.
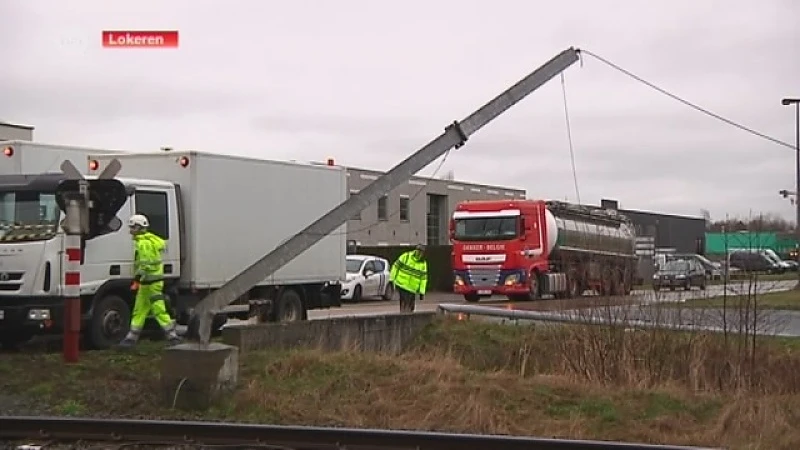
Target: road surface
[432, 301]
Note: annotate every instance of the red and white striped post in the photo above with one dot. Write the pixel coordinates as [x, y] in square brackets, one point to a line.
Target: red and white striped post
[72, 296]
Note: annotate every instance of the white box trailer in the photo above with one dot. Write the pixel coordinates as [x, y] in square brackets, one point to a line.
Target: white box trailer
[218, 214]
[26, 157]
[235, 210]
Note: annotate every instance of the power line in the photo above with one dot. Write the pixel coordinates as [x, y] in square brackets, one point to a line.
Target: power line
[569, 138]
[688, 103]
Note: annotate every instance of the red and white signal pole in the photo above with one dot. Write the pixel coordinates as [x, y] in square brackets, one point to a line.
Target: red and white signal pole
[73, 227]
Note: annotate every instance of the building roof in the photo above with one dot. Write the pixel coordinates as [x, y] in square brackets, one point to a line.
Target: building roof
[16, 125]
[440, 180]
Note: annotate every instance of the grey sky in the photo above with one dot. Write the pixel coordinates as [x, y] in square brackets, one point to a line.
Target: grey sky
[369, 82]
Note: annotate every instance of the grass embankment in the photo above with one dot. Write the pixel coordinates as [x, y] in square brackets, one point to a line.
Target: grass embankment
[578, 382]
[785, 300]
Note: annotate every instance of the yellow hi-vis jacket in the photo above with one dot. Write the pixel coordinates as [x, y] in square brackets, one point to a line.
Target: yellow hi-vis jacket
[410, 273]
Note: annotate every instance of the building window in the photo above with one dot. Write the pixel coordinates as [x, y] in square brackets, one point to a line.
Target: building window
[434, 218]
[404, 204]
[356, 216]
[382, 213]
[154, 206]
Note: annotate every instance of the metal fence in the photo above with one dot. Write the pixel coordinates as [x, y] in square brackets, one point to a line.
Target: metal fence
[280, 437]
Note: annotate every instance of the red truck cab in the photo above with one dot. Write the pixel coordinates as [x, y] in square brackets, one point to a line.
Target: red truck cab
[499, 247]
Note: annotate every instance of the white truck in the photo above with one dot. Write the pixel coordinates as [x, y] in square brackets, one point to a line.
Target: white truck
[30, 158]
[218, 214]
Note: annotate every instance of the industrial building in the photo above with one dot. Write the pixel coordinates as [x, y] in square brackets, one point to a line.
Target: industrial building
[681, 234]
[10, 132]
[416, 212]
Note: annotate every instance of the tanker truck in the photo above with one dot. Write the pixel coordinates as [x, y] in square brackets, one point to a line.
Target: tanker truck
[525, 249]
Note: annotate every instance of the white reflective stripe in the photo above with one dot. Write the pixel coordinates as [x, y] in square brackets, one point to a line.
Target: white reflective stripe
[475, 214]
[71, 242]
[473, 258]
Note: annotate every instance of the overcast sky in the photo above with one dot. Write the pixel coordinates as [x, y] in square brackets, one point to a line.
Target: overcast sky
[368, 82]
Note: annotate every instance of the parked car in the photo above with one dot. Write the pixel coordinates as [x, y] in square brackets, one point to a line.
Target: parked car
[680, 273]
[753, 262]
[367, 277]
[713, 270]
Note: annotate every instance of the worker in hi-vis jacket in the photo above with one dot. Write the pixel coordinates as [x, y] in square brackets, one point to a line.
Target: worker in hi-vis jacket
[410, 276]
[148, 282]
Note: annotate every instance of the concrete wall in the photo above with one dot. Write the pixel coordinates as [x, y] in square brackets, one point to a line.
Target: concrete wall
[368, 230]
[390, 333]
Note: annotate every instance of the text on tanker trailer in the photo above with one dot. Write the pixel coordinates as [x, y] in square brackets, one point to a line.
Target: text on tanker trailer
[528, 248]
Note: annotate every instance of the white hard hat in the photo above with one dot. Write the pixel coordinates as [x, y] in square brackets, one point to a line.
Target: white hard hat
[138, 220]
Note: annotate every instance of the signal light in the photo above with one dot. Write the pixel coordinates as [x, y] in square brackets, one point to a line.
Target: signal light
[330, 162]
[183, 161]
[93, 164]
[8, 151]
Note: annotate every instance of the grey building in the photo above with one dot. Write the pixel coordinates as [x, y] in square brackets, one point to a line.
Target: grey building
[417, 211]
[10, 131]
[684, 234]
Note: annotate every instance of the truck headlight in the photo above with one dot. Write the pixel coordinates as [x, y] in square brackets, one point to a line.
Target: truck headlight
[458, 280]
[512, 279]
[39, 314]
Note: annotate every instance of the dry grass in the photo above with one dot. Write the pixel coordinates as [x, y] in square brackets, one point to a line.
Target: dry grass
[577, 381]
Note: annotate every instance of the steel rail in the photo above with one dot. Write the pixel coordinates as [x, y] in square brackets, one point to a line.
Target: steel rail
[289, 437]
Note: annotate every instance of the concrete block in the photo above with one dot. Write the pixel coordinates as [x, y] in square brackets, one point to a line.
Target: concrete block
[385, 333]
[194, 376]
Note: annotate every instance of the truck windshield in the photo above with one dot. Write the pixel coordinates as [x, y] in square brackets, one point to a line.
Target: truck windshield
[28, 215]
[487, 228]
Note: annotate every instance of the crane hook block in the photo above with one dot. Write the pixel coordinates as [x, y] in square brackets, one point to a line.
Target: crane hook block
[457, 126]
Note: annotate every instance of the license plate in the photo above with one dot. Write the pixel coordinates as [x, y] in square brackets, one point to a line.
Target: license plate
[485, 292]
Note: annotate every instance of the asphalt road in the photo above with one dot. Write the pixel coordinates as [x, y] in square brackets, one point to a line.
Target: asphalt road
[432, 301]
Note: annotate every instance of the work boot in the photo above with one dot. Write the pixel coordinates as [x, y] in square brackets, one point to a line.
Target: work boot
[172, 334]
[130, 339]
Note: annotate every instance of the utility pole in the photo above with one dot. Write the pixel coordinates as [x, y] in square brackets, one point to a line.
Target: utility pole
[454, 136]
[796, 103]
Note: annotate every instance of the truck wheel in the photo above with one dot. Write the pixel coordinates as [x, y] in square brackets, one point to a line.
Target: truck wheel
[13, 341]
[290, 307]
[533, 287]
[111, 321]
[472, 298]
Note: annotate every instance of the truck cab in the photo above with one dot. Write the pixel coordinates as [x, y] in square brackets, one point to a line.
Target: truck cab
[31, 251]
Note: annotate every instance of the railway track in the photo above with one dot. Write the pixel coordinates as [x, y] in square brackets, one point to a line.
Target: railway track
[34, 432]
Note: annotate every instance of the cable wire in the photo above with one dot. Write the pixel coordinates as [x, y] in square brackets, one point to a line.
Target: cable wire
[688, 103]
[569, 138]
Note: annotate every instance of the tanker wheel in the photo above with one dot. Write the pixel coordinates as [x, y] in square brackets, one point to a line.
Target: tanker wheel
[606, 283]
[618, 283]
[573, 287]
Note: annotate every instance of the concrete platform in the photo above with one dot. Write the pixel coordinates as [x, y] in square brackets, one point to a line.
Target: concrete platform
[194, 376]
[377, 333]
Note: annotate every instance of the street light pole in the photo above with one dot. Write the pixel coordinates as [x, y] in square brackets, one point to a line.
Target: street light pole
[796, 103]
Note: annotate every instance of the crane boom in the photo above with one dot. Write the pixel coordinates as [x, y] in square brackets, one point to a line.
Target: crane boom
[455, 135]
